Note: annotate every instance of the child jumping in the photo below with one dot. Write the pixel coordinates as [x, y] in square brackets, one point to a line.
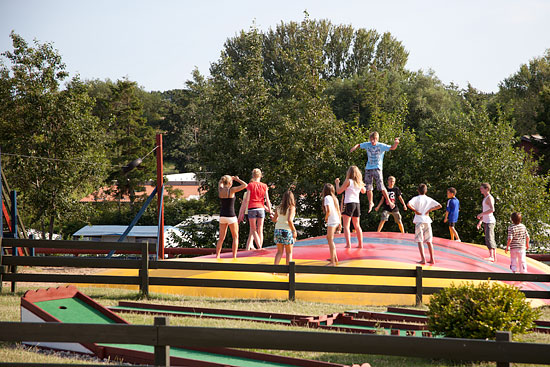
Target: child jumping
[422, 205]
[451, 213]
[353, 185]
[285, 232]
[373, 169]
[331, 208]
[393, 193]
[518, 243]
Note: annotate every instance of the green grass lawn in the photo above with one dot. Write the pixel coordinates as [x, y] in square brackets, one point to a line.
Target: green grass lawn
[9, 311]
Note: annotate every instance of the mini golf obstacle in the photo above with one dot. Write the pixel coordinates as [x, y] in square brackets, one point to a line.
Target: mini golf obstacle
[380, 250]
[394, 321]
[68, 305]
[348, 321]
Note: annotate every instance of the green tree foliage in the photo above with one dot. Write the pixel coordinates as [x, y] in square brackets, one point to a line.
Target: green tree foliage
[120, 107]
[526, 93]
[39, 118]
[291, 135]
[479, 311]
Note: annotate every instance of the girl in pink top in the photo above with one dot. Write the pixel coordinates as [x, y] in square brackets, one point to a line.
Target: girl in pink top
[256, 202]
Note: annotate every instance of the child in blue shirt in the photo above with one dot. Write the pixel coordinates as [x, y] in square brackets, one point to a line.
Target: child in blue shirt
[451, 214]
[373, 169]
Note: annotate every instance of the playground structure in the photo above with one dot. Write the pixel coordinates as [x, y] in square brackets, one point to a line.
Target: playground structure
[10, 214]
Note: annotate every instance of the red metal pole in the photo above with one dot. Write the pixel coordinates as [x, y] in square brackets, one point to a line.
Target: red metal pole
[160, 192]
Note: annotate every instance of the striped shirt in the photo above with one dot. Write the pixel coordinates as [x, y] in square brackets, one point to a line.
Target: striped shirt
[518, 234]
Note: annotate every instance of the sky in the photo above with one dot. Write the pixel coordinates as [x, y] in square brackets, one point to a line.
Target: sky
[159, 43]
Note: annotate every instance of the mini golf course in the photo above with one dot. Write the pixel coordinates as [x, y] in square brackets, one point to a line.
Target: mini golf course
[68, 305]
[381, 250]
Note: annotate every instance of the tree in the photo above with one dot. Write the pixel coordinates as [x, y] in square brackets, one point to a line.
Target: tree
[128, 135]
[56, 145]
[524, 92]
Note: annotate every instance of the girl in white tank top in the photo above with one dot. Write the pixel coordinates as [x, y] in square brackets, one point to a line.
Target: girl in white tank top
[353, 185]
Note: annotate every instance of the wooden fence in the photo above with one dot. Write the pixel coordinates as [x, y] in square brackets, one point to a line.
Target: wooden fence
[160, 335]
[143, 280]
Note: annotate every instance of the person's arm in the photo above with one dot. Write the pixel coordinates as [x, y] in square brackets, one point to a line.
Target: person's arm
[403, 202]
[341, 189]
[244, 205]
[395, 144]
[438, 206]
[354, 148]
[327, 211]
[243, 185]
[413, 209]
[275, 216]
[490, 210]
[363, 188]
[508, 245]
[291, 214]
[267, 201]
[527, 239]
[446, 217]
[379, 204]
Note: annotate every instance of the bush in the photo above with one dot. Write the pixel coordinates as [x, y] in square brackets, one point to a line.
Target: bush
[479, 311]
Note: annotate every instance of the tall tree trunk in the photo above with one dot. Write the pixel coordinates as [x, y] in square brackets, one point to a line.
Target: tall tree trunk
[52, 221]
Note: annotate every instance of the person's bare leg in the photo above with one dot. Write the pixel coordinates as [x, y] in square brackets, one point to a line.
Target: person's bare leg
[358, 231]
[346, 221]
[279, 254]
[400, 225]
[249, 241]
[431, 249]
[380, 226]
[260, 230]
[288, 252]
[234, 227]
[452, 233]
[223, 231]
[371, 203]
[332, 246]
[455, 233]
[254, 231]
[421, 250]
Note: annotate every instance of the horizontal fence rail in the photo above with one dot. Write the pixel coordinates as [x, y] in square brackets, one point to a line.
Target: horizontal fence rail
[328, 342]
[144, 280]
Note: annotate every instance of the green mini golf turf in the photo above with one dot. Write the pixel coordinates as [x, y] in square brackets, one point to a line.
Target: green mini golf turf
[73, 310]
[198, 314]
[202, 356]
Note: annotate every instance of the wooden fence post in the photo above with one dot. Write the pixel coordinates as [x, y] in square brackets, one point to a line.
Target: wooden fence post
[144, 271]
[419, 290]
[292, 281]
[503, 337]
[162, 352]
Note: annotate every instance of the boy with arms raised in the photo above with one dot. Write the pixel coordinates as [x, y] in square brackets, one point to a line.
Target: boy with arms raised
[373, 169]
[422, 205]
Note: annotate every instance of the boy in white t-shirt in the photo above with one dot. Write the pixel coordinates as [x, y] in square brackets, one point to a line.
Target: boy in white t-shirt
[422, 205]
